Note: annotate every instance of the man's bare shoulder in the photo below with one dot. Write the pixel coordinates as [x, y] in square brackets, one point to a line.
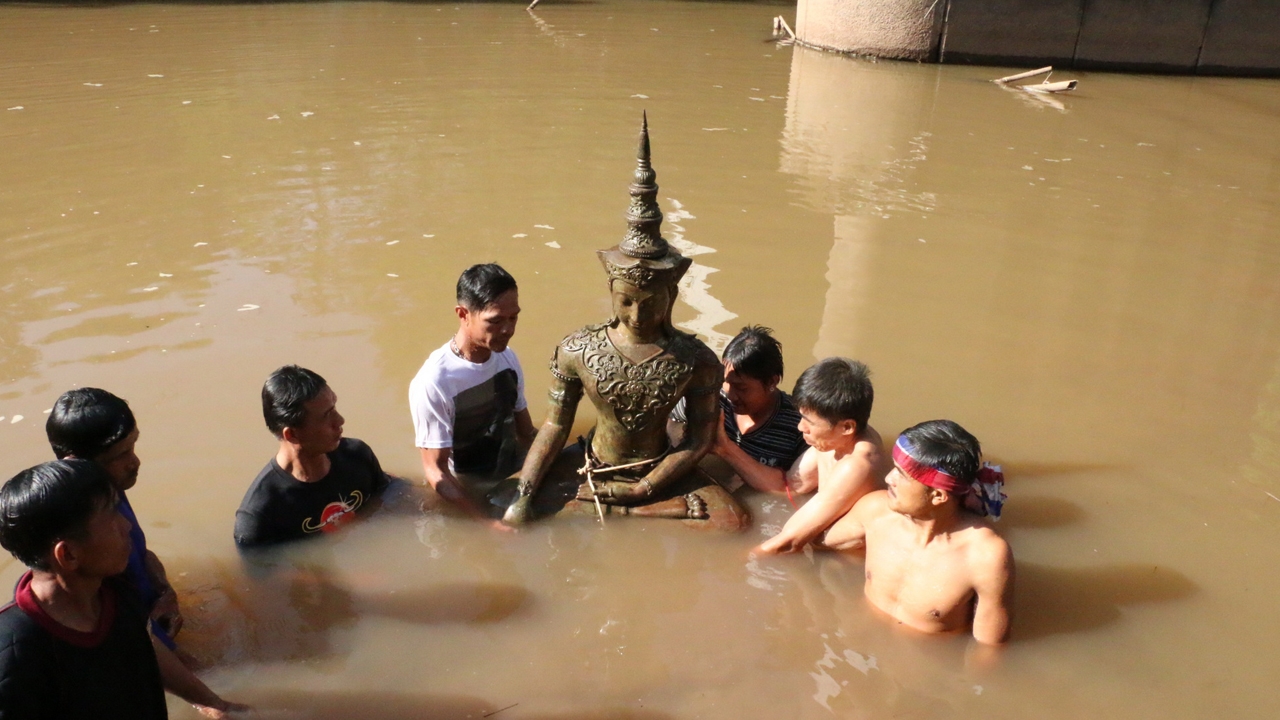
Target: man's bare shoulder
[858, 467]
[869, 448]
[985, 549]
[872, 505]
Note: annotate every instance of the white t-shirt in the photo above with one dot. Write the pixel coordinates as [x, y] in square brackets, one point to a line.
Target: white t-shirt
[469, 407]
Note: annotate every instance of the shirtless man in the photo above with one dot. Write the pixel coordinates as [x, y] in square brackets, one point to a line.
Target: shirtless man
[931, 564]
[845, 453]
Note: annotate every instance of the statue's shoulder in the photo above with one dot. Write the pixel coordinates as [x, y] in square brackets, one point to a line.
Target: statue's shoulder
[591, 337]
[690, 349]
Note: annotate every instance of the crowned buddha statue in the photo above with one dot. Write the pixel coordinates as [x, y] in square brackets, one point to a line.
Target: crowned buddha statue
[634, 369]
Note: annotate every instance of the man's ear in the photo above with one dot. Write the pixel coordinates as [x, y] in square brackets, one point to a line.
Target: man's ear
[64, 556]
[289, 435]
[461, 311]
[772, 383]
[938, 497]
[848, 427]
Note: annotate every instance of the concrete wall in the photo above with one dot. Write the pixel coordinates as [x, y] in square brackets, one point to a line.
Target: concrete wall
[1243, 38]
[1041, 32]
[1230, 37]
[1161, 35]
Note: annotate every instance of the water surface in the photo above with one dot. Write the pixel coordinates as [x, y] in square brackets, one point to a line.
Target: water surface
[194, 194]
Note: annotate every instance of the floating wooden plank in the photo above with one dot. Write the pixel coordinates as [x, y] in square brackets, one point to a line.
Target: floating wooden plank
[1051, 87]
[1023, 76]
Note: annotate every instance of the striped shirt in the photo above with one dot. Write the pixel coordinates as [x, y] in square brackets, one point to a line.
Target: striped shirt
[776, 442]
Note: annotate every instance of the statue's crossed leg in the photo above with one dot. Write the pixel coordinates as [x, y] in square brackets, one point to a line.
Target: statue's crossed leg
[696, 498]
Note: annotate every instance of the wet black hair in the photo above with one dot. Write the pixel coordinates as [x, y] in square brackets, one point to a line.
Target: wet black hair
[50, 502]
[836, 389]
[945, 445]
[285, 396]
[756, 353]
[480, 286]
[86, 422]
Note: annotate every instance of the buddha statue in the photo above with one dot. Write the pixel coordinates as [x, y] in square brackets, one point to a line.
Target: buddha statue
[634, 369]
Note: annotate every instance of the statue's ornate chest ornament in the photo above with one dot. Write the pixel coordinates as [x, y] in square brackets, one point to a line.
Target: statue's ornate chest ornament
[639, 393]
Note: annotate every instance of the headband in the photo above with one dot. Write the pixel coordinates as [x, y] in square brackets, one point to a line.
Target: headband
[935, 478]
[982, 496]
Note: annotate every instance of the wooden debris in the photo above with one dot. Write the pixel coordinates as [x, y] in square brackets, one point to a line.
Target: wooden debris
[780, 26]
[1042, 87]
[1048, 87]
[1023, 76]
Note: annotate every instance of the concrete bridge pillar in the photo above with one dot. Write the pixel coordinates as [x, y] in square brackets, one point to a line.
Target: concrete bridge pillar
[900, 29]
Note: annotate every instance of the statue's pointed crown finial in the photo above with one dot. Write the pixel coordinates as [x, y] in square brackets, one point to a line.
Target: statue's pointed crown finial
[644, 258]
[644, 234]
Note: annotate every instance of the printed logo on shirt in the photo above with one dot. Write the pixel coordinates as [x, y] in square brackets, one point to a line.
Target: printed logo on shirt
[335, 514]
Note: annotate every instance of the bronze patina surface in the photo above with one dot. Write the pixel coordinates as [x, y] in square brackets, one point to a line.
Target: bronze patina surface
[634, 369]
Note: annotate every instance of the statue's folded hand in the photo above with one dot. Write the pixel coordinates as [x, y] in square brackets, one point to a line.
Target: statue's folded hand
[615, 492]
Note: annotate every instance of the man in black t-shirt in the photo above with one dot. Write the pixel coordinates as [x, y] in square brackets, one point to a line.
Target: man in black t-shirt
[74, 642]
[318, 479]
[759, 436]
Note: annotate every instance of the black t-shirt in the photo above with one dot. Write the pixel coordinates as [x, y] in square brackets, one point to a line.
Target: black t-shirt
[278, 507]
[51, 672]
[776, 442]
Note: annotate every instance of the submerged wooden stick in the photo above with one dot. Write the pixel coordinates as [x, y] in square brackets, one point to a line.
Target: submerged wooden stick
[781, 22]
[532, 5]
[1023, 76]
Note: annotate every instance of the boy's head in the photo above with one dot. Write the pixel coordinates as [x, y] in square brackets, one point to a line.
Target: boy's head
[834, 397]
[92, 424]
[61, 517]
[944, 445]
[753, 369]
[299, 408]
[934, 464]
[488, 306]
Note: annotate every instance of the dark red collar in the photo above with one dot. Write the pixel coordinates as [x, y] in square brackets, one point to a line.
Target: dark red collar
[26, 601]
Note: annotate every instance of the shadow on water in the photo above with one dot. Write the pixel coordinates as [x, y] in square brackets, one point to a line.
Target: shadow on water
[1040, 512]
[471, 603]
[378, 705]
[297, 613]
[1054, 600]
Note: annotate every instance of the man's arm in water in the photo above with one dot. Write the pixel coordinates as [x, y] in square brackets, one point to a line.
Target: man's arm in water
[180, 681]
[525, 431]
[802, 478]
[993, 585]
[435, 465]
[850, 531]
[851, 478]
[759, 476]
[166, 611]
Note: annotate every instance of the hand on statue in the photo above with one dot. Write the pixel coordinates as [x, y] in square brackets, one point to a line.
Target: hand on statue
[722, 442]
[616, 493]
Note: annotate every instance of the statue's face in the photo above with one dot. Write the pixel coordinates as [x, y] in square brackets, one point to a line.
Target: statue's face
[643, 311]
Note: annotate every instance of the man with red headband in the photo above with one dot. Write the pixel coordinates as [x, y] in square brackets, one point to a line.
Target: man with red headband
[932, 561]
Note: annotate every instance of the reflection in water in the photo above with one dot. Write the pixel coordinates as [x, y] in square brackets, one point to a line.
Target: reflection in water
[694, 289]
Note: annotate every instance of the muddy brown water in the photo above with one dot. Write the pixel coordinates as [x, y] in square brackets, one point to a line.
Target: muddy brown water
[194, 194]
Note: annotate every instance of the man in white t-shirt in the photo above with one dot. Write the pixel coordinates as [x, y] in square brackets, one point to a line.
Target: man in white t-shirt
[470, 417]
